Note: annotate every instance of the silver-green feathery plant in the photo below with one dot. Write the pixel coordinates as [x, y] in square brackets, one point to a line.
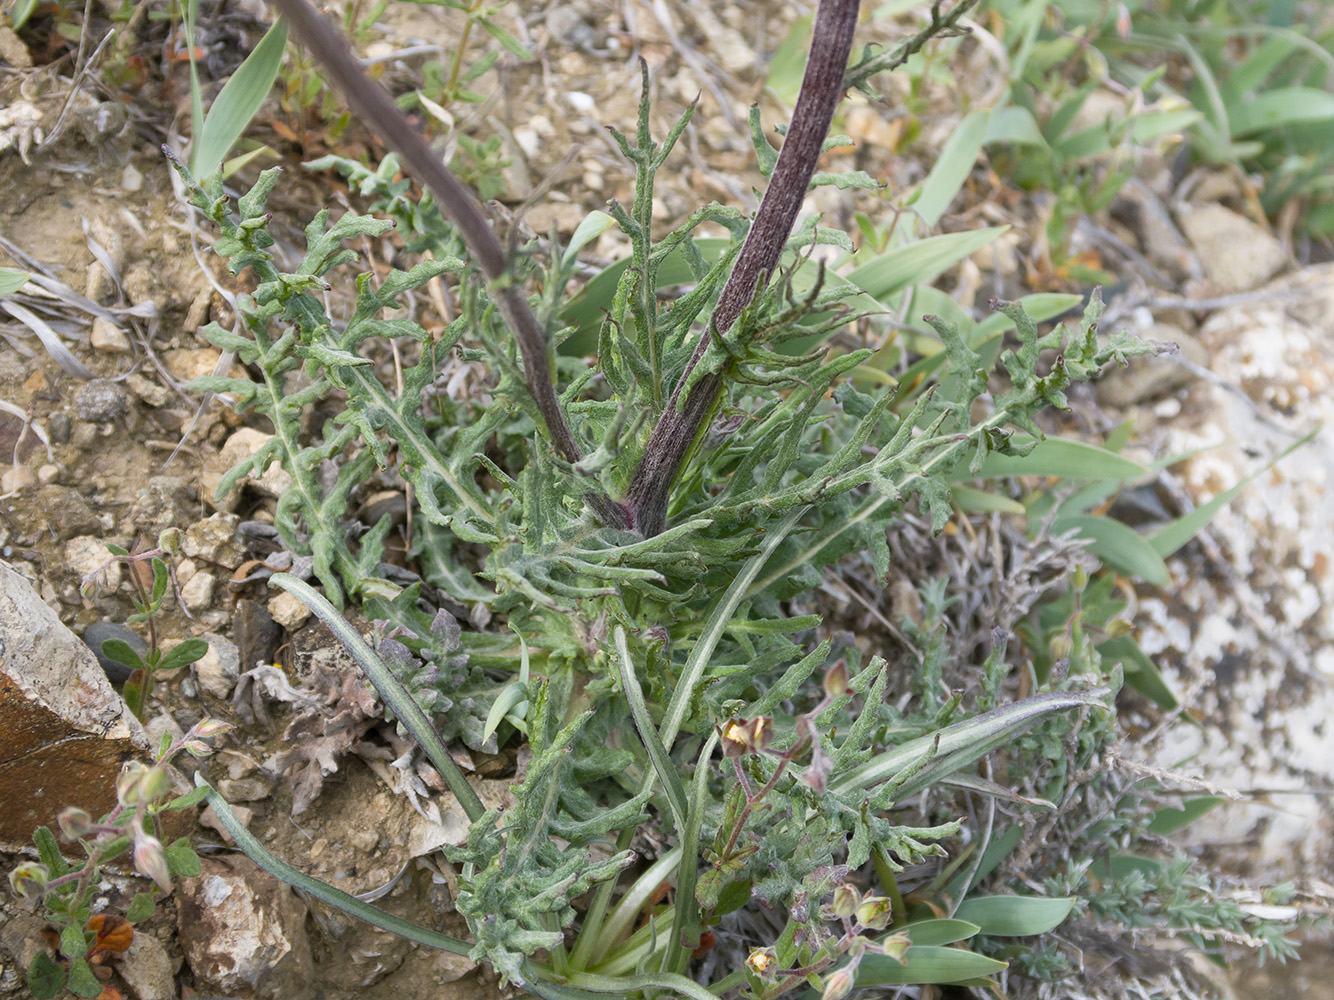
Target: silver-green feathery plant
[638, 523]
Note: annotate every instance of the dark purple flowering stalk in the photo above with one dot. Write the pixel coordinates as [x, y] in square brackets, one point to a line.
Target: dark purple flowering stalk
[685, 418]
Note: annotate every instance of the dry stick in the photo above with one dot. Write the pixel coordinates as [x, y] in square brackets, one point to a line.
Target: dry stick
[377, 111]
[683, 420]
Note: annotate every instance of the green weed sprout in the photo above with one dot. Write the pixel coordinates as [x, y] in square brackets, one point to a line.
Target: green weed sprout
[148, 600]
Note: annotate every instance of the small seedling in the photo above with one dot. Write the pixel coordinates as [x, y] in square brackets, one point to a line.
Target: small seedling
[82, 945]
[150, 576]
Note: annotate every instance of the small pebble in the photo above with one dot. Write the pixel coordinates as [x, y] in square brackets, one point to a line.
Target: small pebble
[197, 594]
[101, 400]
[130, 178]
[288, 611]
[15, 478]
[68, 513]
[48, 474]
[213, 540]
[108, 337]
[244, 789]
[152, 393]
[581, 102]
[219, 668]
[59, 425]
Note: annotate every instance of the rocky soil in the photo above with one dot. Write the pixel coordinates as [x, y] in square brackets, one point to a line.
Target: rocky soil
[100, 443]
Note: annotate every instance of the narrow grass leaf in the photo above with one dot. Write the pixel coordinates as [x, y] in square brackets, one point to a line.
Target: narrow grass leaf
[238, 102]
[322, 891]
[924, 964]
[1169, 820]
[953, 165]
[511, 698]
[1182, 530]
[1276, 108]
[595, 223]
[512, 45]
[1140, 671]
[1118, 546]
[1014, 124]
[975, 501]
[997, 851]
[20, 11]
[622, 986]
[1061, 457]
[940, 932]
[662, 764]
[1015, 916]
[629, 907]
[918, 263]
[788, 64]
[716, 626]
[929, 758]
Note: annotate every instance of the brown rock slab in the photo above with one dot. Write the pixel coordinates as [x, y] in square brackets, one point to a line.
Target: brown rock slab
[64, 732]
[243, 932]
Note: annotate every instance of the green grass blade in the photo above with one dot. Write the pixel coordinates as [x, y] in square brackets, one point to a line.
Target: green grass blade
[1277, 108]
[716, 625]
[635, 899]
[512, 697]
[323, 891]
[1182, 530]
[952, 167]
[918, 263]
[624, 986]
[1141, 672]
[929, 758]
[940, 932]
[11, 280]
[1061, 457]
[662, 764]
[924, 964]
[788, 64]
[977, 501]
[1015, 916]
[1169, 820]
[594, 224]
[685, 921]
[1118, 546]
[589, 308]
[238, 102]
[20, 11]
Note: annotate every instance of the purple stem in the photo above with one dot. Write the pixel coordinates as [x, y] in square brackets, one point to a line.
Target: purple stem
[683, 420]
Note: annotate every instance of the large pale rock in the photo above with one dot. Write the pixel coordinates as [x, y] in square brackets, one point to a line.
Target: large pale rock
[243, 932]
[64, 732]
[1237, 254]
[1246, 634]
